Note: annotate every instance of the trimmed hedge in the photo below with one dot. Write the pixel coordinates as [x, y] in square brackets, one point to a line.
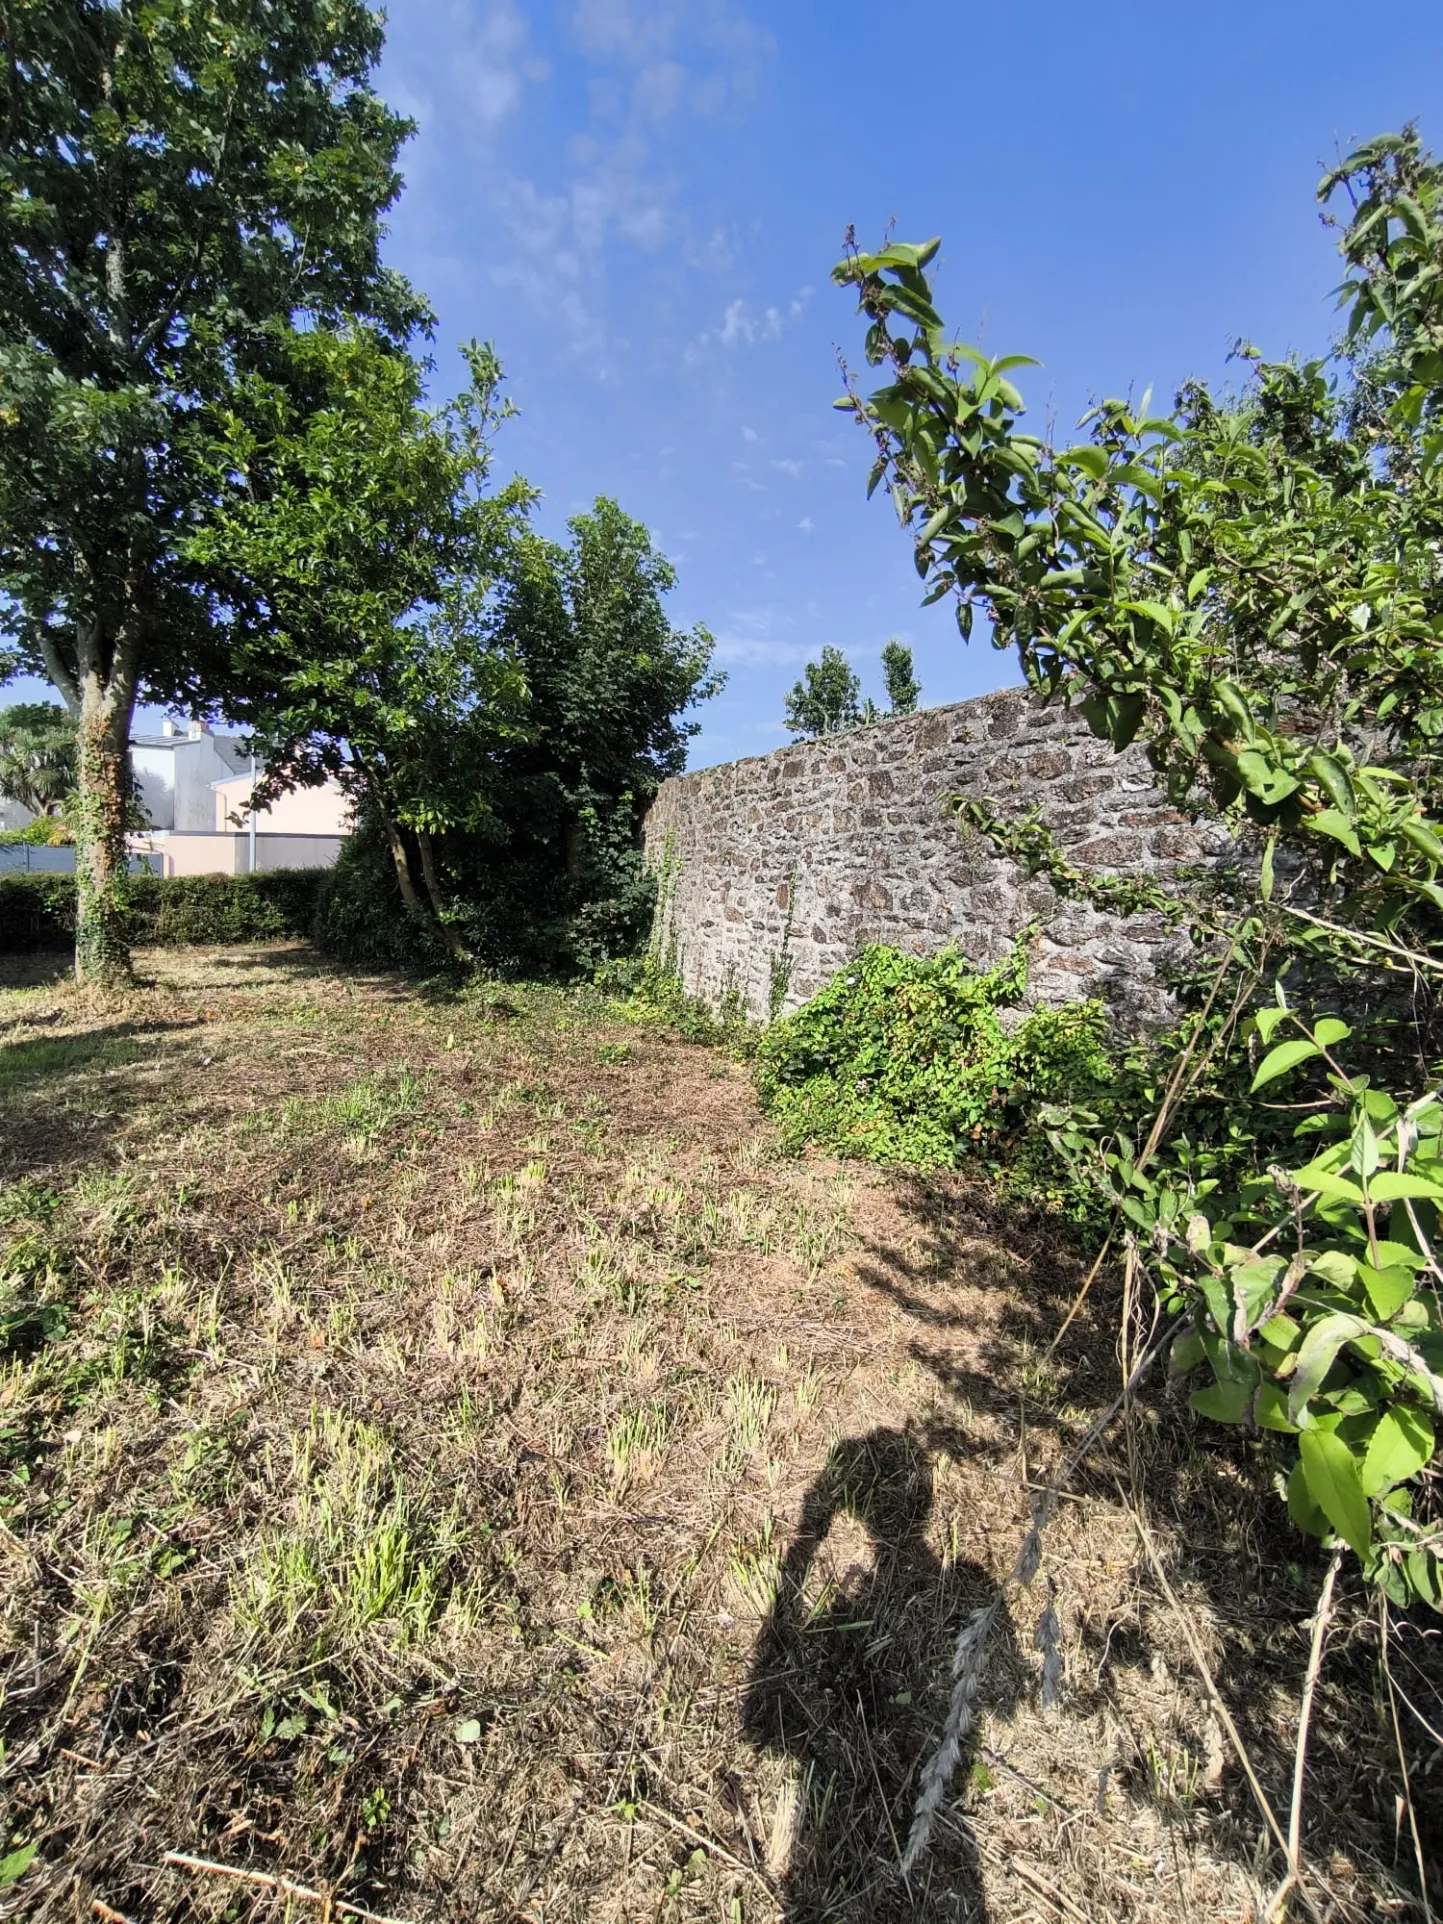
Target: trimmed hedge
[38, 911]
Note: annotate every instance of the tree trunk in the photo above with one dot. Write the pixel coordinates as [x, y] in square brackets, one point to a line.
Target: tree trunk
[102, 927]
[454, 945]
[397, 846]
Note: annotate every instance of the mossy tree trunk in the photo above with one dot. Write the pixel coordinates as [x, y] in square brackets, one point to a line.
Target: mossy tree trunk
[101, 696]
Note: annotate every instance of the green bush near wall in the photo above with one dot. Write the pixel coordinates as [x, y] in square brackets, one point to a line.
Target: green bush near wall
[37, 912]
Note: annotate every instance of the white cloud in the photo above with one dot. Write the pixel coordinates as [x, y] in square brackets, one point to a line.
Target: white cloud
[757, 637]
[458, 75]
[749, 434]
[618, 29]
[658, 90]
[540, 260]
[463, 69]
[740, 651]
[718, 253]
[644, 33]
[740, 327]
[806, 524]
[793, 468]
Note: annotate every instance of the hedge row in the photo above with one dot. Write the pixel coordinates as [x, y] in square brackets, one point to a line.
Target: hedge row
[38, 911]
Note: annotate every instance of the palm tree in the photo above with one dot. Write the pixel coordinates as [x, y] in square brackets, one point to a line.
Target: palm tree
[37, 756]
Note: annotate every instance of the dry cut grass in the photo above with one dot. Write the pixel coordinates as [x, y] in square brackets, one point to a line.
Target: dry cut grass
[452, 1463]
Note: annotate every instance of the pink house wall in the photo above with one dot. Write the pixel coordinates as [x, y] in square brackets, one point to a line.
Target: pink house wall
[304, 811]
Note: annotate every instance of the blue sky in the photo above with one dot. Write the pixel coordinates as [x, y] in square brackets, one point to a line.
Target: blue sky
[639, 202]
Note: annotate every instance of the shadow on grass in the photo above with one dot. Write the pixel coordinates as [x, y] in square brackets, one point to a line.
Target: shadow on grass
[58, 1103]
[844, 1684]
[45, 1058]
[38, 969]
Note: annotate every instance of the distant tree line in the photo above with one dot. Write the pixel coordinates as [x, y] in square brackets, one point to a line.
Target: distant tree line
[829, 696]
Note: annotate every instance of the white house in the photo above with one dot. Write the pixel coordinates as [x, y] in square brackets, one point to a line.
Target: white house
[175, 771]
[195, 786]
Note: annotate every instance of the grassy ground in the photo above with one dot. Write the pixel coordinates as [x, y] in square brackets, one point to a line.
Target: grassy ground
[451, 1462]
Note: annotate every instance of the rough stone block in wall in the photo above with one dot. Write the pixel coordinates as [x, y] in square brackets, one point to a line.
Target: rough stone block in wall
[780, 868]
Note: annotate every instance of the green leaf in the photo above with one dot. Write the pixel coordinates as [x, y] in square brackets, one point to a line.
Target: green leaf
[1270, 1410]
[1393, 1253]
[1319, 1349]
[1115, 718]
[1425, 1577]
[1387, 1289]
[1329, 1031]
[14, 1865]
[1285, 1056]
[1301, 1506]
[1092, 461]
[1328, 821]
[1266, 1020]
[1187, 1352]
[1389, 1185]
[1254, 1285]
[1333, 777]
[1227, 1401]
[1363, 1147]
[1281, 1332]
[1336, 1487]
[1400, 1445]
[1423, 839]
[1314, 1175]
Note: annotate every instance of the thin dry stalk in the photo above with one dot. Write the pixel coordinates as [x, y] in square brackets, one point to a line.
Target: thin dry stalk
[1059, 1900]
[1224, 1715]
[1186, 1070]
[1416, 961]
[1403, 1768]
[1185, 1073]
[703, 1842]
[282, 1886]
[1079, 1299]
[1321, 1619]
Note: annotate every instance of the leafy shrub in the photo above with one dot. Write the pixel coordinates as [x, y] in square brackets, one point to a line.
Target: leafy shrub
[931, 1062]
[652, 989]
[517, 907]
[360, 917]
[1307, 1294]
[44, 831]
[37, 912]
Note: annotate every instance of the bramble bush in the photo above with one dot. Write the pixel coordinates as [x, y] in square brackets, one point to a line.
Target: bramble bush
[912, 1059]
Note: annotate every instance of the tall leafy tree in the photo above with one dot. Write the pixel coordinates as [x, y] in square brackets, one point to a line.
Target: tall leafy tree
[827, 699]
[899, 678]
[359, 525]
[609, 682]
[182, 184]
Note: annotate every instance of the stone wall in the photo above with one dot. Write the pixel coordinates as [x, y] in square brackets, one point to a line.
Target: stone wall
[775, 871]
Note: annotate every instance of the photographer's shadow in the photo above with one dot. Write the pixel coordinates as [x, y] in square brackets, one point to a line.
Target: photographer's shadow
[850, 1682]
